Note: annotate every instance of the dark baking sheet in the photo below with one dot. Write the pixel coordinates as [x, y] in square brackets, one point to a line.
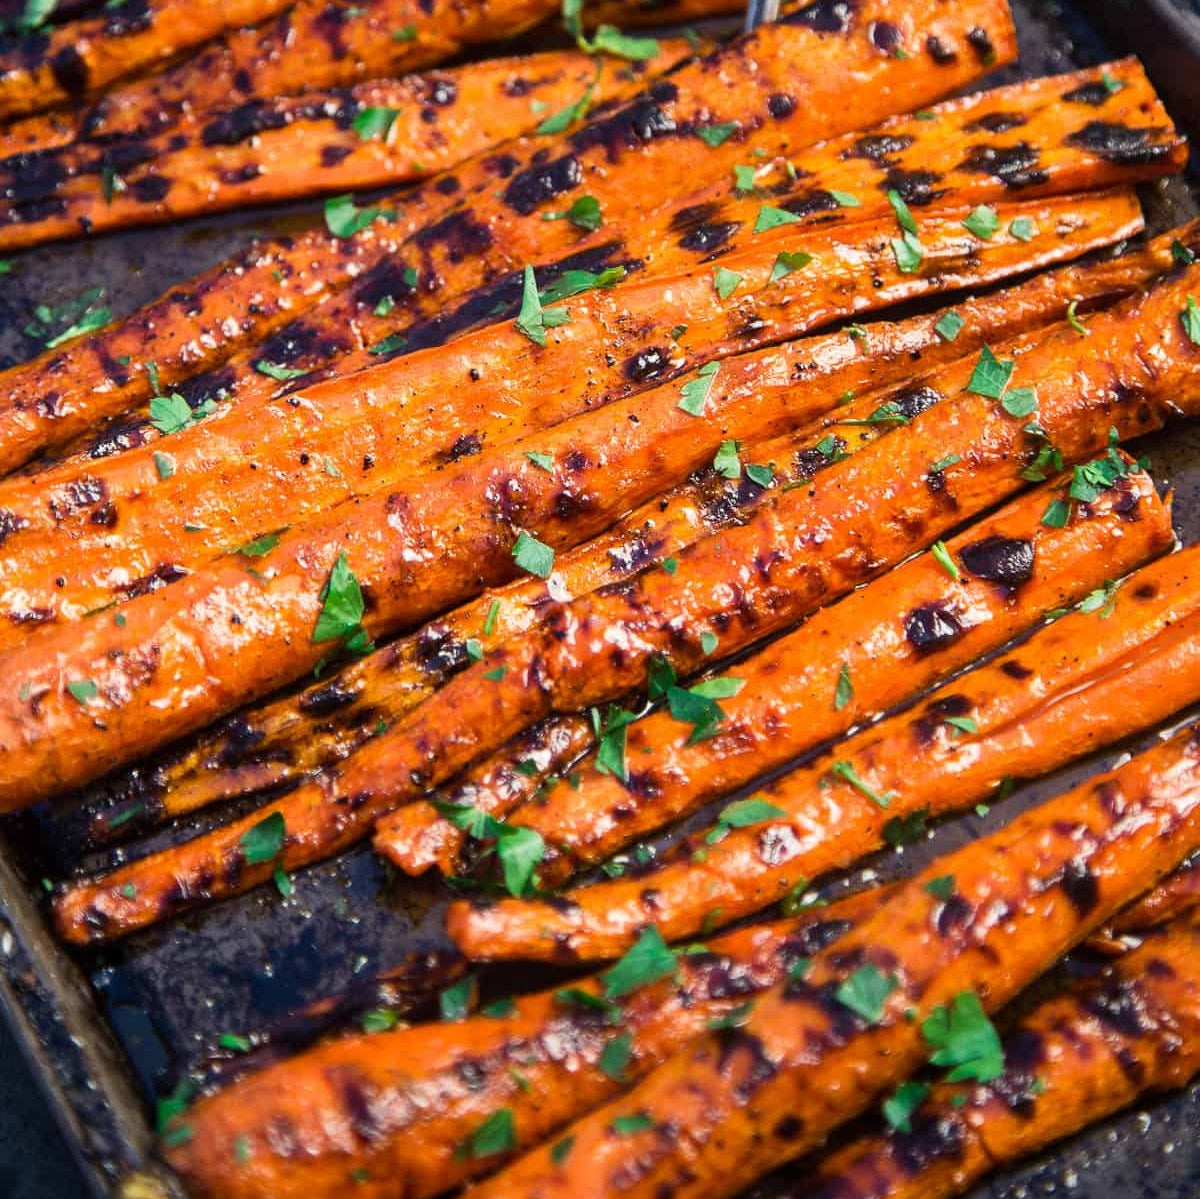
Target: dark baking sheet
[107, 1031]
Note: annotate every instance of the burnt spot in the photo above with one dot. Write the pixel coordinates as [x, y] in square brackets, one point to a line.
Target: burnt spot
[439, 653]
[979, 41]
[880, 147]
[10, 523]
[467, 445]
[934, 1137]
[30, 615]
[443, 92]
[244, 122]
[150, 189]
[210, 384]
[80, 493]
[357, 1103]
[31, 176]
[815, 937]
[158, 578]
[788, 1128]
[643, 120]
[778, 843]
[1121, 1006]
[1119, 143]
[1015, 166]
[954, 916]
[1015, 669]
[781, 105]
[706, 237]
[448, 185]
[692, 216]
[332, 155]
[737, 1043]
[915, 187]
[811, 203]
[941, 52]
[105, 517]
[931, 627]
[912, 401]
[1004, 560]
[323, 700]
[928, 724]
[884, 36]
[997, 122]
[70, 71]
[824, 16]
[462, 235]
[1080, 886]
[502, 164]
[251, 170]
[576, 460]
[133, 16]
[1095, 94]
[646, 364]
[1024, 1050]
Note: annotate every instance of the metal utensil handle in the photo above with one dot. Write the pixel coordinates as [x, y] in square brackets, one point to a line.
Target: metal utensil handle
[758, 12]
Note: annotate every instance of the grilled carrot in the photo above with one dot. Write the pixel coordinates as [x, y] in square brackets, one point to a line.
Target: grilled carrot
[815, 541]
[375, 134]
[819, 1050]
[1178, 895]
[1074, 1060]
[281, 741]
[477, 1067]
[347, 431]
[1033, 711]
[928, 159]
[65, 63]
[195, 328]
[796, 694]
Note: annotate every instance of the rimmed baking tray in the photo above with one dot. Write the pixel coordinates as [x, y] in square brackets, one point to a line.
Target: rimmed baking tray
[106, 1031]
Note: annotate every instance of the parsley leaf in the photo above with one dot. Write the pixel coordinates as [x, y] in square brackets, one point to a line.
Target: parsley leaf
[533, 320]
[770, 217]
[83, 690]
[454, 1002]
[990, 376]
[786, 262]
[583, 214]
[949, 326]
[983, 222]
[647, 960]
[1190, 317]
[844, 770]
[610, 40]
[533, 555]
[844, 691]
[866, 991]
[343, 219]
[263, 842]
[497, 1134]
[559, 122]
[375, 122]
[726, 462]
[742, 813]
[274, 371]
[611, 734]
[696, 391]
[964, 1038]
[341, 604]
[615, 1056]
[725, 282]
[898, 1109]
[717, 135]
[574, 283]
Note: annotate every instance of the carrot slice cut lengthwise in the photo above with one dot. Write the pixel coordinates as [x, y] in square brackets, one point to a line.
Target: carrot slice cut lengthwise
[473, 1068]
[942, 161]
[821, 1049]
[817, 541]
[443, 730]
[604, 157]
[879, 646]
[290, 737]
[1091, 678]
[379, 134]
[337, 442]
[1073, 1061]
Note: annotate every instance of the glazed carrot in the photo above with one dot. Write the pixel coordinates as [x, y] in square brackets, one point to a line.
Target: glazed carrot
[818, 1051]
[378, 133]
[939, 158]
[870, 644]
[194, 328]
[1074, 1060]
[124, 535]
[817, 541]
[65, 63]
[332, 717]
[1054, 699]
[1178, 895]
[477, 1067]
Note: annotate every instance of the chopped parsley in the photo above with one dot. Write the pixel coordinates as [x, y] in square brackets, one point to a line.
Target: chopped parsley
[263, 842]
[648, 960]
[899, 1108]
[742, 813]
[583, 214]
[990, 376]
[725, 282]
[344, 219]
[726, 462]
[1023, 229]
[342, 608]
[770, 217]
[983, 222]
[1190, 317]
[949, 326]
[375, 123]
[497, 1134]
[963, 1038]
[717, 135]
[788, 261]
[616, 1056]
[454, 1002]
[533, 320]
[695, 391]
[844, 770]
[865, 992]
[273, 370]
[83, 690]
[941, 555]
[843, 693]
[533, 555]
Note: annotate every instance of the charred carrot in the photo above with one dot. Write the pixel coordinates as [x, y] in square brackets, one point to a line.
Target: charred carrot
[1074, 1060]
[332, 717]
[192, 330]
[845, 665]
[347, 430]
[64, 64]
[376, 134]
[939, 159]
[1030, 713]
[819, 1050]
[816, 541]
[1178, 895]
[514, 1069]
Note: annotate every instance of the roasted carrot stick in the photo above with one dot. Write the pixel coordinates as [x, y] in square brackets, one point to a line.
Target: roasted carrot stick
[347, 431]
[821, 1049]
[789, 697]
[939, 158]
[461, 511]
[1074, 1060]
[65, 63]
[514, 1068]
[1178, 895]
[332, 717]
[375, 134]
[1056, 698]
[817, 541]
[197, 326]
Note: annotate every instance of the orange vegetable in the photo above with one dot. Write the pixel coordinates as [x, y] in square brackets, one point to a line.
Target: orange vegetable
[1080, 683]
[818, 1051]
[817, 541]
[336, 442]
